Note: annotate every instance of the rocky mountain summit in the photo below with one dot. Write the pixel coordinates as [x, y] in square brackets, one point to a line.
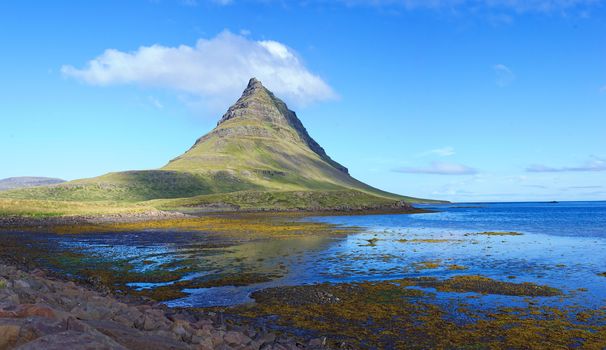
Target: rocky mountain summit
[259, 103]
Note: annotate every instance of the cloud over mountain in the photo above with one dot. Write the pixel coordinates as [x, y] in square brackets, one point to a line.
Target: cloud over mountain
[212, 69]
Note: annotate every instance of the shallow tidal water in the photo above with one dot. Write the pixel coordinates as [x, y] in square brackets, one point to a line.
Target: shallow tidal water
[562, 245]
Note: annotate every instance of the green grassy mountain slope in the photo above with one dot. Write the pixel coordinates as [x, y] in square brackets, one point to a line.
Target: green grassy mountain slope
[259, 146]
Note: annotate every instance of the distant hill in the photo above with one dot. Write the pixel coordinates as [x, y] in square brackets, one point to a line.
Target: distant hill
[12, 183]
[258, 156]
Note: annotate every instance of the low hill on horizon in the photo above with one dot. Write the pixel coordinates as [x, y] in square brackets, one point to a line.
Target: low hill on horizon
[11, 183]
[259, 156]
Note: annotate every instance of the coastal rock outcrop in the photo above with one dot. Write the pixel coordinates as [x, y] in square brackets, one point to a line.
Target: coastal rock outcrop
[38, 311]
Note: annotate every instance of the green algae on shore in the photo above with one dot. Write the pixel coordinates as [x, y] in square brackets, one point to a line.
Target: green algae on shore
[494, 233]
[484, 285]
[395, 314]
[428, 240]
[426, 265]
[234, 238]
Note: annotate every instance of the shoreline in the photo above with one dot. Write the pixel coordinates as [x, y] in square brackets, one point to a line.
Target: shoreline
[12, 223]
[422, 297]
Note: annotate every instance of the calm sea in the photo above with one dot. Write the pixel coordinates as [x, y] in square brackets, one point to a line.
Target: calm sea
[580, 219]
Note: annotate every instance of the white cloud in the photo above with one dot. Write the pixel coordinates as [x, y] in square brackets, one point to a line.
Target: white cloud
[439, 168]
[195, 2]
[214, 70]
[504, 75]
[595, 164]
[442, 152]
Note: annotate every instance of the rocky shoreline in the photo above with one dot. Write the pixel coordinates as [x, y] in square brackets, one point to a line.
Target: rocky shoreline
[27, 222]
[40, 310]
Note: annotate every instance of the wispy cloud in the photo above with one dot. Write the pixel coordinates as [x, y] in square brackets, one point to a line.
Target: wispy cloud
[439, 168]
[603, 89]
[189, 2]
[215, 69]
[591, 187]
[595, 164]
[503, 75]
[544, 6]
[441, 152]
[154, 102]
[536, 186]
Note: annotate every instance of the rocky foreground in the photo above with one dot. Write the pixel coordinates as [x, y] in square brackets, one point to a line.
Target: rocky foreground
[38, 311]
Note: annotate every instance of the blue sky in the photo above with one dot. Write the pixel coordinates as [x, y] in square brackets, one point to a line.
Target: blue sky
[465, 100]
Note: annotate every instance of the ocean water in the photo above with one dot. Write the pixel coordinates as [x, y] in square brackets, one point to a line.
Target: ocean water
[574, 219]
[562, 245]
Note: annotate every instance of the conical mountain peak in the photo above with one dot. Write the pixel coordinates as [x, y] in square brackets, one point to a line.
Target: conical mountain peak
[258, 103]
[259, 113]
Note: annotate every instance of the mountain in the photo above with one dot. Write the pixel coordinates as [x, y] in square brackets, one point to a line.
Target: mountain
[258, 156]
[27, 181]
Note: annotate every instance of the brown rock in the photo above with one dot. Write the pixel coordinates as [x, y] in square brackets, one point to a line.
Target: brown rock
[236, 338]
[22, 284]
[135, 339]
[9, 333]
[72, 340]
[36, 310]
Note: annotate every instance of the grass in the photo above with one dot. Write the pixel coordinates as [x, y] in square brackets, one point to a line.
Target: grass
[279, 200]
[241, 200]
[46, 208]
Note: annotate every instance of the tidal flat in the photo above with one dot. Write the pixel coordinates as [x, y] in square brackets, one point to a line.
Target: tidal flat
[525, 275]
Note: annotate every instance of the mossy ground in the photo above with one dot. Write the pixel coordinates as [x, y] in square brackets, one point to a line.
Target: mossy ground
[394, 314]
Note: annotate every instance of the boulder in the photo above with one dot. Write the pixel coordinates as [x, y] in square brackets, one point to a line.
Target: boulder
[9, 333]
[72, 340]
